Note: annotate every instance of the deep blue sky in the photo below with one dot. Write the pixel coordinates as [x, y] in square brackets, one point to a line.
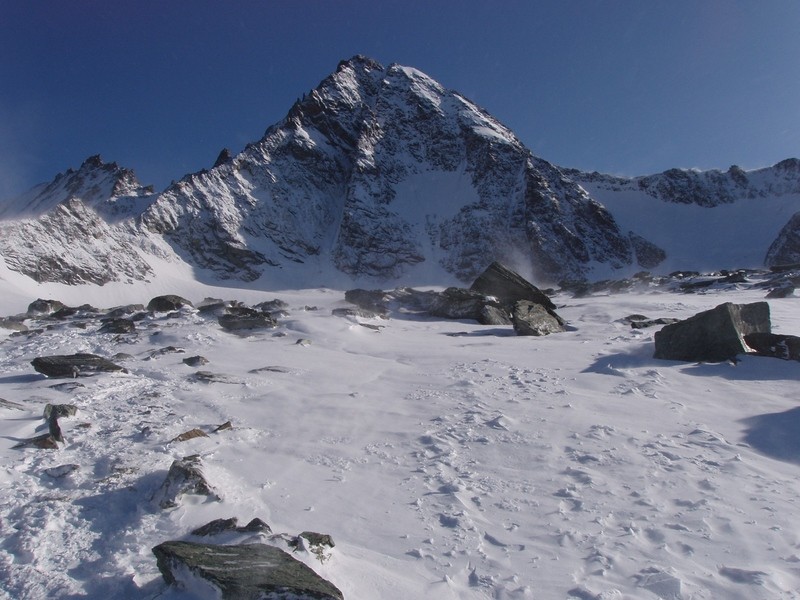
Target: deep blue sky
[625, 86]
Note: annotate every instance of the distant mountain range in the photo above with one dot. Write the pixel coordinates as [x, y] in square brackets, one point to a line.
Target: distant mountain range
[381, 175]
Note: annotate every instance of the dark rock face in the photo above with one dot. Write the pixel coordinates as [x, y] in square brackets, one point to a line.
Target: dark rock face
[244, 572]
[219, 526]
[785, 250]
[460, 303]
[118, 326]
[246, 320]
[44, 307]
[74, 365]
[167, 303]
[774, 345]
[195, 361]
[509, 287]
[648, 255]
[714, 335]
[530, 318]
[185, 477]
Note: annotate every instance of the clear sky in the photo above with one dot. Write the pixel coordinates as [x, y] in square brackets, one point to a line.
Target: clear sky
[629, 87]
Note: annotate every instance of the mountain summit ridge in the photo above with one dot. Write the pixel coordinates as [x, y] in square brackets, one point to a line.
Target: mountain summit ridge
[380, 173]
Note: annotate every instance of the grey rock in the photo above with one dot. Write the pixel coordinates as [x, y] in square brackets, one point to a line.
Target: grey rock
[246, 321]
[12, 324]
[118, 325]
[509, 287]
[371, 300]
[784, 291]
[41, 307]
[124, 311]
[74, 365]
[243, 572]
[195, 361]
[219, 526]
[774, 345]
[494, 315]
[165, 350]
[714, 335]
[185, 476]
[167, 303]
[460, 303]
[530, 318]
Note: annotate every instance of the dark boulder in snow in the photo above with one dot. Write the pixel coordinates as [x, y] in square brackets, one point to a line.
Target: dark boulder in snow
[714, 335]
[41, 307]
[774, 345]
[509, 287]
[785, 249]
[74, 365]
[531, 318]
[195, 361]
[167, 303]
[246, 319]
[242, 572]
[460, 303]
[118, 326]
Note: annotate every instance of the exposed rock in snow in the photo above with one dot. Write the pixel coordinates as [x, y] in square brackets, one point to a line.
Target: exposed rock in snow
[242, 571]
[185, 476]
[74, 365]
[713, 335]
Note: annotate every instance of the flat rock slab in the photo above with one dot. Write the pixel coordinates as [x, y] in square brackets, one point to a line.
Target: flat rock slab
[242, 572]
[73, 365]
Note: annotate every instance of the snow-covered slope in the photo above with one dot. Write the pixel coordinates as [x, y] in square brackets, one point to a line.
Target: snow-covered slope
[446, 459]
[707, 220]
[380, 176]
[381, 171]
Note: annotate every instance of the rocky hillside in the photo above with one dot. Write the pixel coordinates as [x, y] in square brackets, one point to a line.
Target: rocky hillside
[381, 174]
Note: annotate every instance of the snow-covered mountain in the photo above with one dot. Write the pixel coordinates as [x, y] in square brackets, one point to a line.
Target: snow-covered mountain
[382, 175]
[708, 219]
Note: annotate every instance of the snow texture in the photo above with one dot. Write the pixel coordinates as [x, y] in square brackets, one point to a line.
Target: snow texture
[446, 459]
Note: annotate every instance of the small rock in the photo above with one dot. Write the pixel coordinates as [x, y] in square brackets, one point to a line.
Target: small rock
[45, 442]
[117, 326]
[189, 435]
[195, 361]
[224, 427]
[59, 410]
[185, 476]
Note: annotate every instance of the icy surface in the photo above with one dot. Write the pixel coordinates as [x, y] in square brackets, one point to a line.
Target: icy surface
[446, 459]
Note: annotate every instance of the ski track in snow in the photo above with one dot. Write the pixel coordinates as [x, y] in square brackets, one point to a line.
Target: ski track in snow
[447, 459]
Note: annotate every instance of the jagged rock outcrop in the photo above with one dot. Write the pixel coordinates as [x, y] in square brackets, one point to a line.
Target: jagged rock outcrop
[245, 571]
[714, 335]
[377, 170]
[785, 250]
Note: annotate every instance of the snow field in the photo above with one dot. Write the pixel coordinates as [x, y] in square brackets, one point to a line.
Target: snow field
[446, 459]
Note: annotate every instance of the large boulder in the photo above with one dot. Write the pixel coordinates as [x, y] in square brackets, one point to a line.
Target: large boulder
[167, 303]
[242, 572]
[714, 335]
[531, 318]
[73, 365]
[509, 287]
[460, 303]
